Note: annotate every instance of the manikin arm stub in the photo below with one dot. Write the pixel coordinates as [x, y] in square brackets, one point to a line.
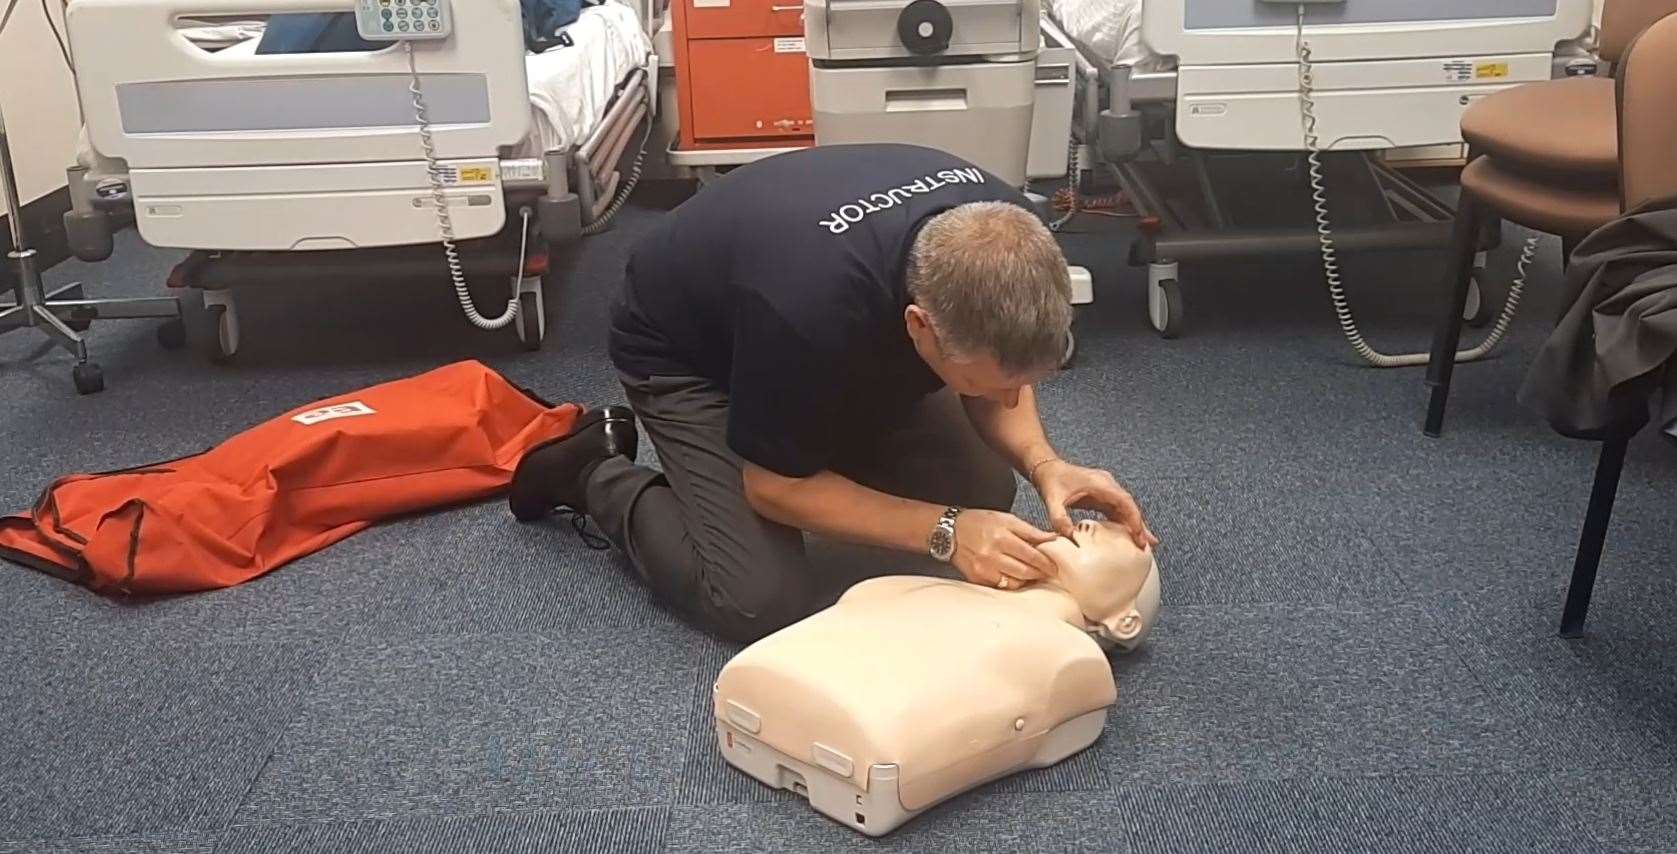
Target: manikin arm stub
[1114, 583]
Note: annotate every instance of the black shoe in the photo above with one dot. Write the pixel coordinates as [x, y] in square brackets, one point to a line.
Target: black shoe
[555, 473]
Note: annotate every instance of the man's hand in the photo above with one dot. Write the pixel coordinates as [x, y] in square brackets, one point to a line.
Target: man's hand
[1065, 487]
[991, 547]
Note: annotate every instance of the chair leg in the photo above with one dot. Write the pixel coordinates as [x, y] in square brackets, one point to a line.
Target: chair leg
[1464, 245]
[1594, 536]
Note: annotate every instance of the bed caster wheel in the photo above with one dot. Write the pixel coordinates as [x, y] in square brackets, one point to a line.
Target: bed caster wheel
[1165, 308]
[89, 378]
[226, 334]
[532, 316]
[1478, 311]
[172, 334]
[223, 315]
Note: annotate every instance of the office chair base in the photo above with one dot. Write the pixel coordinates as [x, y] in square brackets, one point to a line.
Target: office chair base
[63, 320]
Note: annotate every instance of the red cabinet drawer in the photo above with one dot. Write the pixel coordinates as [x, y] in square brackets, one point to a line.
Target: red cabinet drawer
[748, 88]
[722, 19]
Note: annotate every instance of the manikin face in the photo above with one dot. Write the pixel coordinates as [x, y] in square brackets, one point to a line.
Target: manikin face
[1115, 583]
[977, 376]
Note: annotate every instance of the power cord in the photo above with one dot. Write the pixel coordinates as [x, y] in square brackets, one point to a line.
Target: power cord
[6, 18]
[63, 49]
[1330, 255]
[58, 37]
[445, 220]
[1074, 172]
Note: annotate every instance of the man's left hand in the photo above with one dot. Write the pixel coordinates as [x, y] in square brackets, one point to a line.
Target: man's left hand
[1066, 487]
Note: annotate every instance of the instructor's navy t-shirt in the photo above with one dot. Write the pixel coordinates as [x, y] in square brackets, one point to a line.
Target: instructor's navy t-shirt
[782, 283]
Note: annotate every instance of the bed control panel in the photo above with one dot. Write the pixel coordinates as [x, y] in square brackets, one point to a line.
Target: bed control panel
[402, 20]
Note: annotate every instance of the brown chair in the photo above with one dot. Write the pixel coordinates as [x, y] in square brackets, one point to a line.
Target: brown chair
[1543, 155]
[1647, 99]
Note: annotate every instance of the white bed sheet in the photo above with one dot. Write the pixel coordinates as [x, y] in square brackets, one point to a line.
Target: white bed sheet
[1109, 29]
[571, 87]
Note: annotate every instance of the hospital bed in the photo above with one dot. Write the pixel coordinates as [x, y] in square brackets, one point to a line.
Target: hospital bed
[1194, 108]
[277, 167]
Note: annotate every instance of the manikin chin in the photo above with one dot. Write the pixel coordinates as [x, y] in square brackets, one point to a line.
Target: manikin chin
[1104, 583]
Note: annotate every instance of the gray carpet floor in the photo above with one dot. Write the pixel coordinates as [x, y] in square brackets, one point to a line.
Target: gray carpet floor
[1357, 651]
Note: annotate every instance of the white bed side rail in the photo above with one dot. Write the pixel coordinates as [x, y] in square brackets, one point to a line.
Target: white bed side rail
[1237, 32]
[157, 101]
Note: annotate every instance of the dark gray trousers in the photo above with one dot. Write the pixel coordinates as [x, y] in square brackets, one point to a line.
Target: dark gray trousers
[701, 548]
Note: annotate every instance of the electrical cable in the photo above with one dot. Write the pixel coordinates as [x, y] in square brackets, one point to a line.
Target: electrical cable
[1074, 174]
[7, 17]
[58, 37]
[1330, 254]
[445, 220]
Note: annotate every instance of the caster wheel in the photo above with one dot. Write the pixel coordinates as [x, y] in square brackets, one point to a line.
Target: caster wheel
[88, 378]
[172, 334]
[531, 324]
[226, 326]
[1478, 312]
[1166, 309]
[76, 324]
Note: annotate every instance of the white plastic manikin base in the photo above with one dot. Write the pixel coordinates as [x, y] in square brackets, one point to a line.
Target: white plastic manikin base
[875, 806]
[909, 691]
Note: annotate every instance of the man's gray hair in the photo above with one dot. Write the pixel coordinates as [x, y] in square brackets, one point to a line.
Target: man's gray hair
[994, 282]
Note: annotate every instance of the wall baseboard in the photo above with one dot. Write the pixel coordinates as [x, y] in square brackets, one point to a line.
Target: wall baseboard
[43, 224]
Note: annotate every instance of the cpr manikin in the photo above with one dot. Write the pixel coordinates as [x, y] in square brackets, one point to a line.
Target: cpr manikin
[910, 690]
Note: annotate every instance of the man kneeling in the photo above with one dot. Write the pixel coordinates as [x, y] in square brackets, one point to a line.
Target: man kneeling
[841, 341]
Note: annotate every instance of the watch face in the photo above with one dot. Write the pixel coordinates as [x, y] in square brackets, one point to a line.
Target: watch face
[943, 543]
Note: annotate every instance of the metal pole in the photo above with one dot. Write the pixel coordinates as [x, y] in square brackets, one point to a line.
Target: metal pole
[9, 188]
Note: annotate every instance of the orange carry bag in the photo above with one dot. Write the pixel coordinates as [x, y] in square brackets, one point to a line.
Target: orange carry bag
[288, 487]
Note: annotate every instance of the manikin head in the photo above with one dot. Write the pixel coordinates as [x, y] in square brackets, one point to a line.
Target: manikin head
[1115, 583]
[990, 299]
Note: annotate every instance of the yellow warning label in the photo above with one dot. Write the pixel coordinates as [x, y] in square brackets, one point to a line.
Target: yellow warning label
[1490, 70]
[475, 175]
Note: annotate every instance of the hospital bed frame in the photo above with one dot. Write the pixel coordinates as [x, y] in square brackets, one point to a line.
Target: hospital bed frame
[280, 167]
[1168, 139]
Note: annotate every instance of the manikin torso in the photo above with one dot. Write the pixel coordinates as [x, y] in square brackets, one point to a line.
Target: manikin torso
[938, 685]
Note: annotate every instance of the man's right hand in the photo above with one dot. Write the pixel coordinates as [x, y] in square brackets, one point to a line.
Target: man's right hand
[991, 546]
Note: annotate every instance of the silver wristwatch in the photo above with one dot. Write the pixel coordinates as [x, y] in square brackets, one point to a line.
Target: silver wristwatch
[943, 536]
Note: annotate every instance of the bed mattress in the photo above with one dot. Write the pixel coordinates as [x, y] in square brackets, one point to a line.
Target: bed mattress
[1108, 29]
[571, 87]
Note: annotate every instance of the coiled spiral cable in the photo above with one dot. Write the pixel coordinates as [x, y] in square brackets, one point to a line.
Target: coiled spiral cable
[1074, 173]
[1330, 254]
[445, 220]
